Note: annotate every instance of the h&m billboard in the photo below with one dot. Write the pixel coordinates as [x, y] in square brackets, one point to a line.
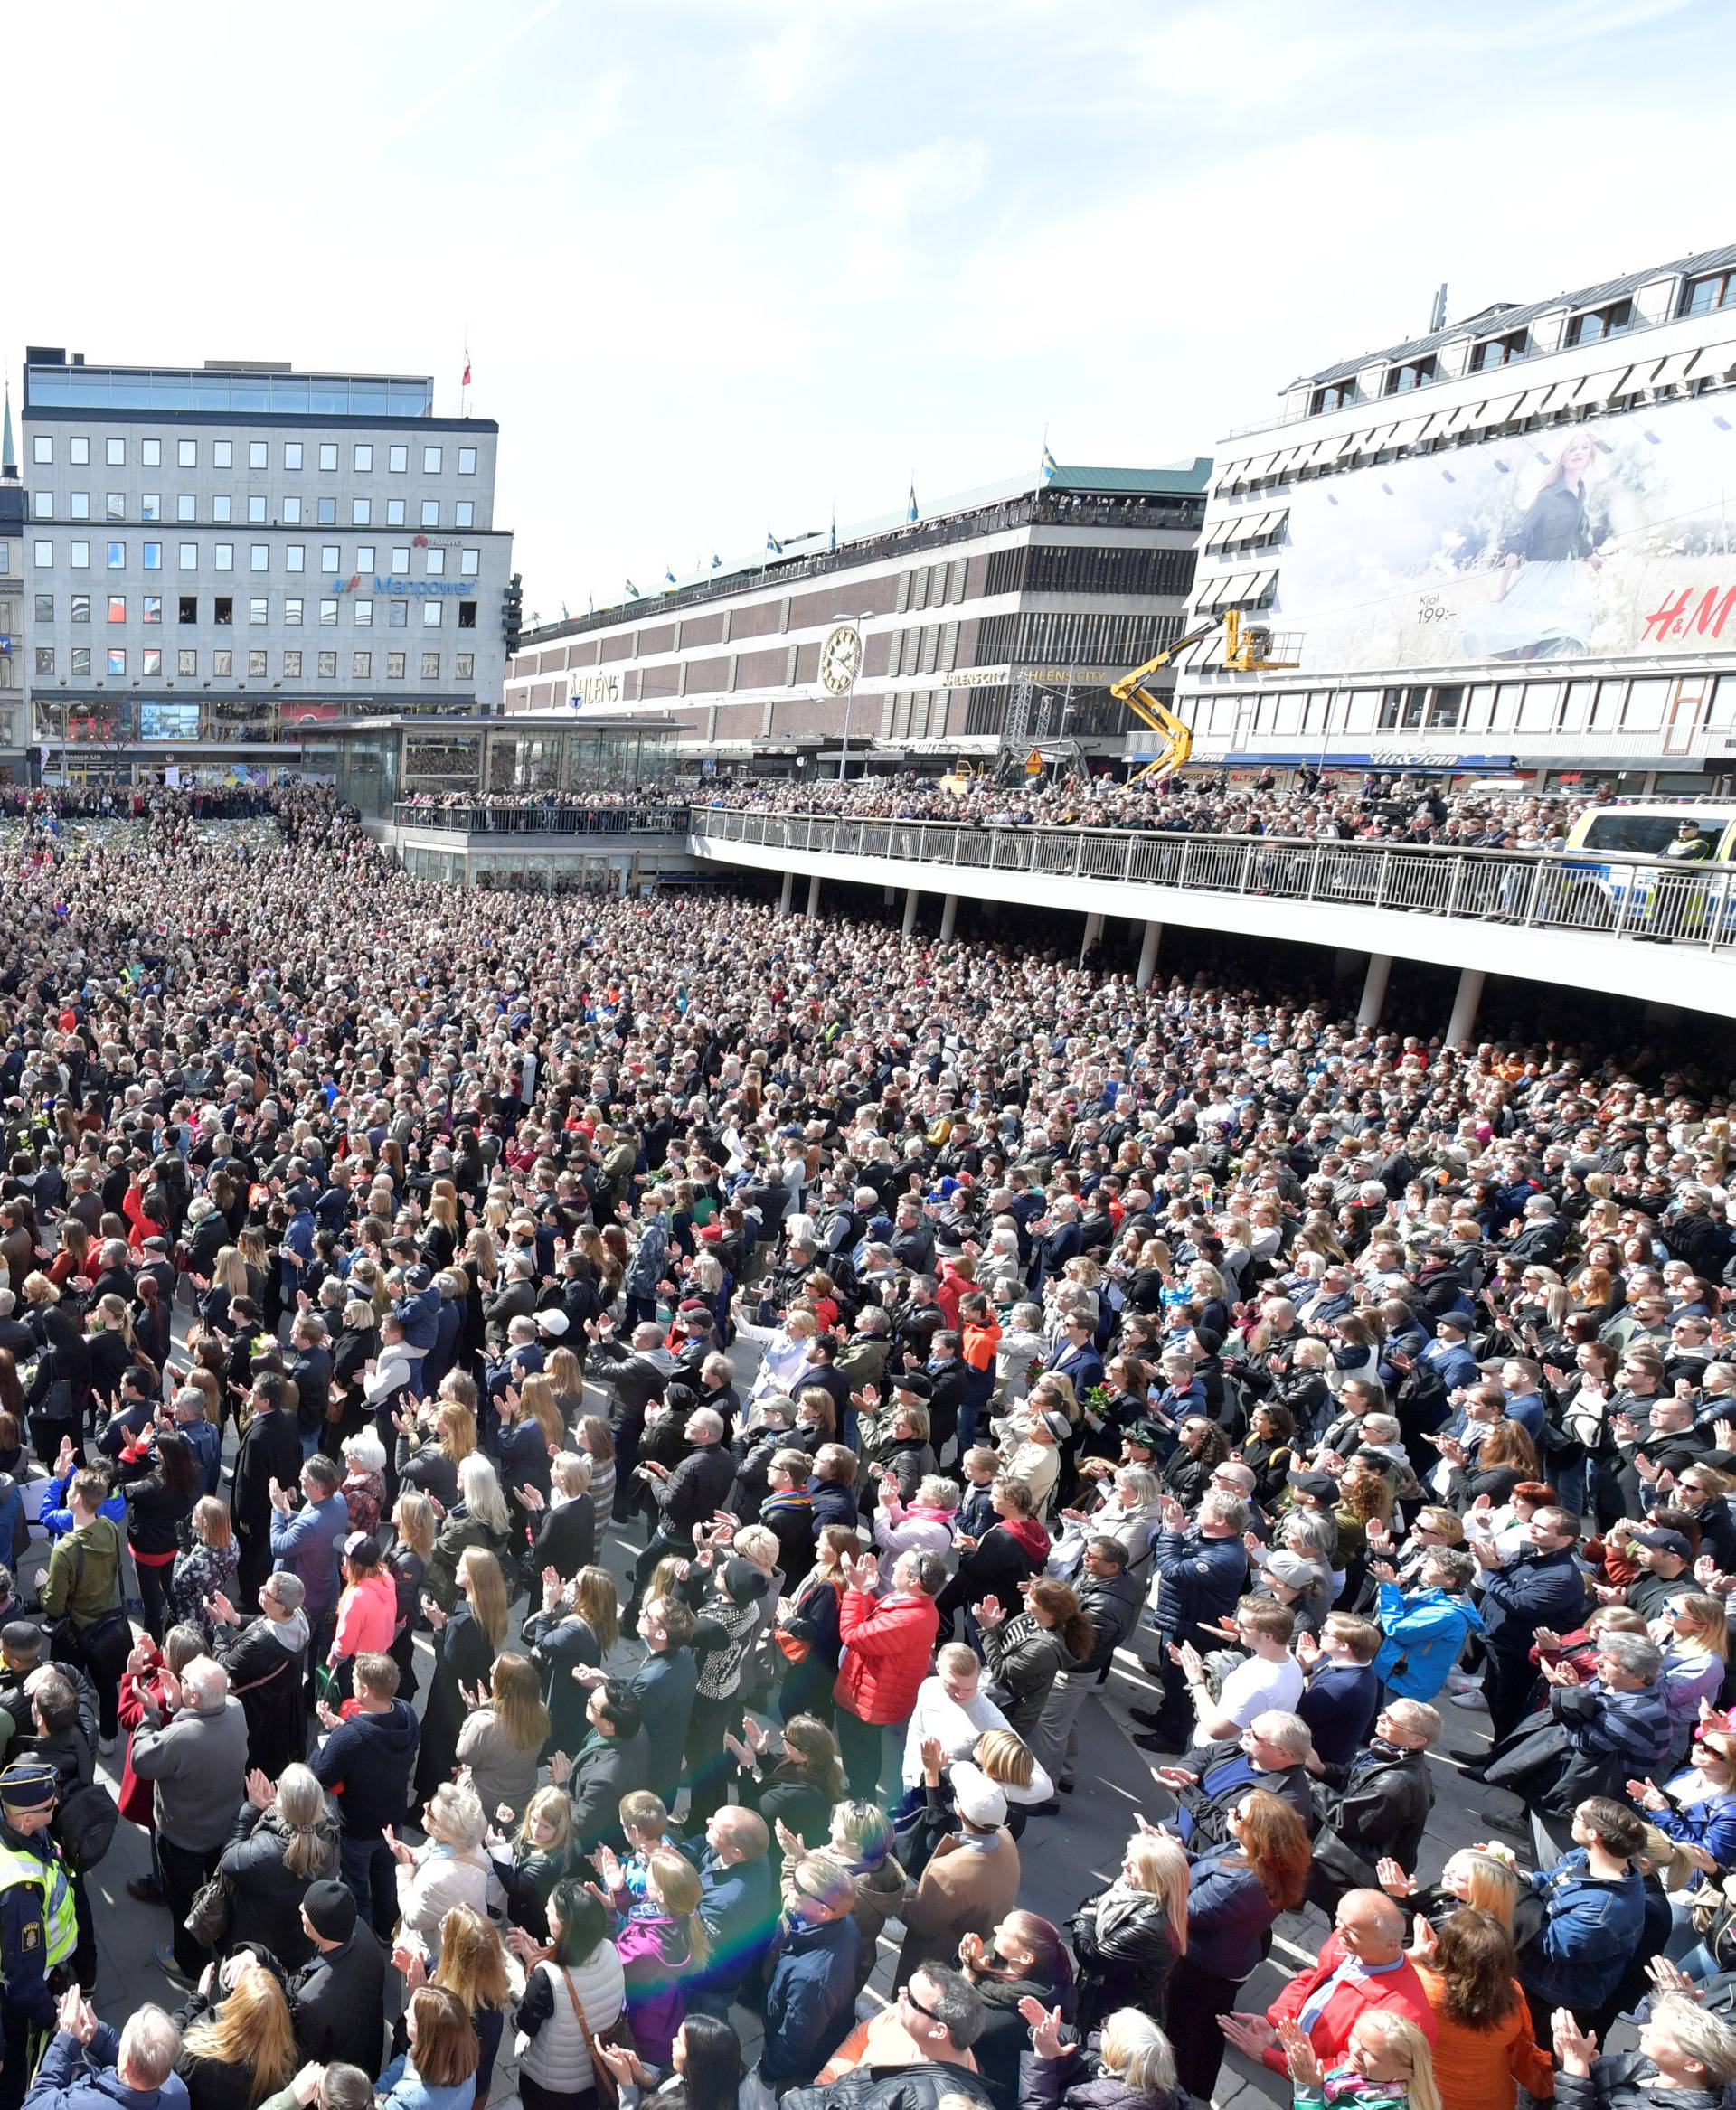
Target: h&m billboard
[1596, 540]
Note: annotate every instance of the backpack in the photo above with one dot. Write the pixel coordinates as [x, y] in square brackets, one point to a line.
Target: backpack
[85, 1824]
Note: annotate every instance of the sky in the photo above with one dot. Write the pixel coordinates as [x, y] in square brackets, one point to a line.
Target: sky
[723, 266]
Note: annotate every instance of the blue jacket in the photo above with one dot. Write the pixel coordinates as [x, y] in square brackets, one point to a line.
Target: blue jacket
[74, 2076]
[403, 2088]
[1339, 1703]
[1426, 1634]
[1538, 1589]
[1083, 1365]
[663, 1687]
[420, 1314]
[739, 1906]
[1199, 1580]
[1228, 1913]
[810, 2001]
[833, 1504]
[1590, 1931]
[1452, 1363]
[206, 1444]
[307, 1541]
[1711, 1824]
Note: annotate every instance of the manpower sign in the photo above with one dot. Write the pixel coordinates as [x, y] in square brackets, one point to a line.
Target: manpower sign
[1612, 538]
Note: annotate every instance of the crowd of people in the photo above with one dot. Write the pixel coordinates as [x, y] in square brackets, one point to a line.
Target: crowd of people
[595, 1457]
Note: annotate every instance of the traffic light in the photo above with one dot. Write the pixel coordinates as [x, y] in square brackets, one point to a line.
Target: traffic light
[512, 612]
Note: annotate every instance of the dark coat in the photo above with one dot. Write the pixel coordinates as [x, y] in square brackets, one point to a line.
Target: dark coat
[1199, 1580]
[338, 2003]
[608, 1768]
[1127, 1967]
[1376, 1805]
[1074, 2083]
[265, 1898]
[266, 1678]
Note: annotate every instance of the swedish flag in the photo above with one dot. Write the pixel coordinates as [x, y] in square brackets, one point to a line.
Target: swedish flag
[669, 575]
[775, 547]
[632, 591]
[911, 513]
[1051, 467]
[717, 561]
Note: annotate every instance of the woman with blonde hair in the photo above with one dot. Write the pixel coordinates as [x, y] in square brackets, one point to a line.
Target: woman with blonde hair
[479, 1518]
[503, 1737]
[1694, 1634]
[663, 1949]
[539, 1854]
[1129, 1937]
[1387, 2065]
[466, 1641]
[475, 1968]
[596, 1442]
[450, 1868]
[238, 2048]
[291, 1842]
[207, 1565]
[576, 1629]
[1476, 1875]
[1134, 2068]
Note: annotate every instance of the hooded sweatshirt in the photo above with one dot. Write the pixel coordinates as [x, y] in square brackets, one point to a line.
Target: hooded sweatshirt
[366, 1764]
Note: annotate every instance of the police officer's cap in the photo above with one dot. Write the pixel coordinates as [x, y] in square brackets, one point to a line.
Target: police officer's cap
[29, 1785]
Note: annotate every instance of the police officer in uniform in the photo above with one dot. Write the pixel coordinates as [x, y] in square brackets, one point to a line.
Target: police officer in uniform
[38, 1925]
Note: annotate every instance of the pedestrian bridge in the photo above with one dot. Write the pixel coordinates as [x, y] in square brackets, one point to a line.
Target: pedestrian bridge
[1628, 926]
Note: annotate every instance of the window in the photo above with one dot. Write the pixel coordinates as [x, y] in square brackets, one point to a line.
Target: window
[81, 660]
[292, 666]
[328, 454]
[43, 449]
[223, 611]
[467, 614]
[469, 562]
[186, 659]
[115, 453]
[256, 507]
[221, 508]
[1494, 351]
[153, 556]
[430, 513]
[118, 660]
[116, 556]
[295, 556]
[435, 561]
[327, 613]
[44, 506]
[394, 665]
[115, 505]
[1599, 323]
[363, 456]
[364, 556]
[292, 454]
[150, 453]
[465, 667]
[259, 611]
[188, 605]
[1334, 395]
[328, 667]
[150, 506]
[44, 659]
[292, 513]
[255, 663]
[399, 617]
[225, 555]
[400, 559]
[1411, 375]
[328, 557]
[184, 506]
[362, 666]
[361, 512]
[222, 453]
[431, 615]
[292, 613]
[189, 556]
[45, 607]
[80, 555]
[78, 504]
[363, 614]
[78, 451]
[1702, 295]
[327, 511]
[430, 667]
[465, 513]
[398, 459]
[81, 608]
[259, 557]
[467, 461]
[187, 453]
[431, 461]
[223, 661]
[257, 454]
[152, 660]
[394, 513]
[153, 612]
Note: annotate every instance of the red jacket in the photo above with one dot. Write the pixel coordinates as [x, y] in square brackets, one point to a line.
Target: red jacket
[1400, 1989]
[890, 1640]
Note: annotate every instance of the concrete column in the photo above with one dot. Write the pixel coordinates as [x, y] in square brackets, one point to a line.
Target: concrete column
[1380, 967]
[1093, 931]
[1345, 960]
[1149, 956]
[1463, 1023]
[891, 895]
[813, 896]
[626, 877]
[949, 916]
[912, 898]
[788, 898]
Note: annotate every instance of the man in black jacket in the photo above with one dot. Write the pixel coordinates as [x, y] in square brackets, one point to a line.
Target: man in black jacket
[1110, 1599]
[266, 1658]
[692, 1494]
[366, 1761]
[1272, 1752]
[270, 1450]
[337, 2002]
[615, 1761]
[1375, 1807]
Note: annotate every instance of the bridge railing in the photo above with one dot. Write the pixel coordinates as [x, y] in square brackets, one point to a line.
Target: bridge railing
[1641, 899]
[488, 818]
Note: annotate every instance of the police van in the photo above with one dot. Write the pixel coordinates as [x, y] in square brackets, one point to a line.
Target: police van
[1604, 884]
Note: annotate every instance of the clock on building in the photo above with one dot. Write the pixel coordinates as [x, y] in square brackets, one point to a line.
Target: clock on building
[841, 659]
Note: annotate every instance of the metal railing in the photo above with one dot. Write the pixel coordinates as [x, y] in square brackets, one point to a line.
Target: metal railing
[485, 818]
[1597, 893]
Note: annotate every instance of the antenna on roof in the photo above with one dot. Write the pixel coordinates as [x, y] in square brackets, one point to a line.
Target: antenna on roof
[1437, 315]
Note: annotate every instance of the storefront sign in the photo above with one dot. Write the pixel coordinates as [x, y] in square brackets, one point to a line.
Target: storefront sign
[974, 677]
[417, 589]
[591, 690]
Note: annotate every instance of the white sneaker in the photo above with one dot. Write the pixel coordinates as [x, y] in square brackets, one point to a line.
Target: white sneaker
[1463, 1682]
[1471, 1699]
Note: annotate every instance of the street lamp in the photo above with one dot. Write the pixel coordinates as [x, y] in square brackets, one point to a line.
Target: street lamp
[840, 660]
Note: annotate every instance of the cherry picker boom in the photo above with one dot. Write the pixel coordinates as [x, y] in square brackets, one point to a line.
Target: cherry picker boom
[1247, 650]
